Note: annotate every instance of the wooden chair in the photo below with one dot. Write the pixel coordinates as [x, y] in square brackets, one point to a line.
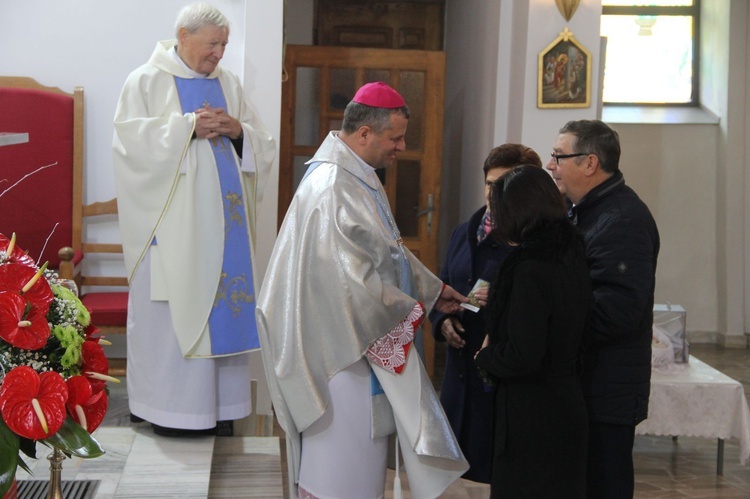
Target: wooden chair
[106, 296]
[41, 181]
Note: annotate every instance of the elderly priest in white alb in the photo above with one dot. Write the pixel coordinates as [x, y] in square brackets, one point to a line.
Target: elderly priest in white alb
[191, 159]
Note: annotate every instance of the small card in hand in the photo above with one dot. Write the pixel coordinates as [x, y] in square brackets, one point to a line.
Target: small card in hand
[473, 303]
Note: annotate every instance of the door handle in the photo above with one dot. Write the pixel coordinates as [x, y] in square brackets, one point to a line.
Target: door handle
[427, 210]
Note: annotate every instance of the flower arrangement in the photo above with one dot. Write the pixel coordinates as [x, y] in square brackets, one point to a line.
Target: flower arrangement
[53, 370]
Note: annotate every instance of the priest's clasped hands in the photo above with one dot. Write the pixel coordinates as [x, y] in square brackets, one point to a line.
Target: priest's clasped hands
[211, 122]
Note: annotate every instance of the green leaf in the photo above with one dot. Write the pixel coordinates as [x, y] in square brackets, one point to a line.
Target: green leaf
[22, 464]
[9, 445]
[72, 439]
[28, 447]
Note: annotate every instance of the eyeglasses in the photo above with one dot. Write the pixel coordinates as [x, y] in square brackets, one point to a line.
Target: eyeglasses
[558, 157]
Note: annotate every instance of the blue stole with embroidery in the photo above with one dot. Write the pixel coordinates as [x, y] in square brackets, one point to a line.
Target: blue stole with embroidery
[232, 319]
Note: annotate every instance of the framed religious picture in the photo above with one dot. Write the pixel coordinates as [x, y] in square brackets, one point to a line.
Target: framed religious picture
[564, 74]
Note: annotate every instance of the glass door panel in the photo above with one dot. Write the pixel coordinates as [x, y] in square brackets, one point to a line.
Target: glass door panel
[408, 182]
[307, 106]
[377, 75]
[299, 169]
[412, 88]
[343, 81]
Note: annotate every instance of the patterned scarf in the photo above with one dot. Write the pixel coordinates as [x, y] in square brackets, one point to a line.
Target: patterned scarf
[485, 227]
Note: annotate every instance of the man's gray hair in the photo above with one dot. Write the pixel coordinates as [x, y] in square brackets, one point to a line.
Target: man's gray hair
[199, 15]
[597, 138]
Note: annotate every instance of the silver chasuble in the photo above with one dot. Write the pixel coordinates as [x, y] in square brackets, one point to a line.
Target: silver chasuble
[337, 240]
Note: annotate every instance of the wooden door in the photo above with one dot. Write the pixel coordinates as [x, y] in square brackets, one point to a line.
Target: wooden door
[322, 81]
[381, 24]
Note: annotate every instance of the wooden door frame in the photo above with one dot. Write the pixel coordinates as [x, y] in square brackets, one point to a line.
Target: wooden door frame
[358, 59]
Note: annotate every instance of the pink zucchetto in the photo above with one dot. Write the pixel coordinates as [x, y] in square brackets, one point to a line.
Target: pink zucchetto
[378, 94]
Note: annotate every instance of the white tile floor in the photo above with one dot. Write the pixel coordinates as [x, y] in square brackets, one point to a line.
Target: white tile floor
[139, 464]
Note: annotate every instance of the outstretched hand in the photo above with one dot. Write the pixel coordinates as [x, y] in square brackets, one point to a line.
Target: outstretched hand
[450, 301]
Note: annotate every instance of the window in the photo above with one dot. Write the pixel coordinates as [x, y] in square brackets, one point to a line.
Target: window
[651, 56]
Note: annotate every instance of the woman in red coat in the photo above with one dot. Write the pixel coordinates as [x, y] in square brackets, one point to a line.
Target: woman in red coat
[537, 312]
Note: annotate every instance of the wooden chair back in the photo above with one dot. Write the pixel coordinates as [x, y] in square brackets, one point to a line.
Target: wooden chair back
[104, 294]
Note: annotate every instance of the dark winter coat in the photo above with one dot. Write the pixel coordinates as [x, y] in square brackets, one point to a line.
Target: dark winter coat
[467, 403]
[537, 319]
[622, 246]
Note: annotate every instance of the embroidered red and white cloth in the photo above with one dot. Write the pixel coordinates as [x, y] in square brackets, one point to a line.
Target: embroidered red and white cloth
[390, 351]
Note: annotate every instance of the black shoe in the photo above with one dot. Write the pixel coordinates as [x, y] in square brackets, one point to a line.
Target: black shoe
[136, 419]
[164, 431]
[224, 428]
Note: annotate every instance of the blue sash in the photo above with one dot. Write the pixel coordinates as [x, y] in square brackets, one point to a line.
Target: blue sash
[232, 319]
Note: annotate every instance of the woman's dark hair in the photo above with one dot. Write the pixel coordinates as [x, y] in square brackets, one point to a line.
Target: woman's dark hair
[510, 156]
[523, 200]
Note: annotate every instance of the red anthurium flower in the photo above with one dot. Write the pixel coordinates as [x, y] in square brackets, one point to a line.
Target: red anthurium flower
[14, 276]
[94, 361]
[86, 408]
[17, 254]
[91, 332]
[33, 405]
[29, 332]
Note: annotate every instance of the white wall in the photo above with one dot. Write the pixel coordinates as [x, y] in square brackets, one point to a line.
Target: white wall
[471, 44]
[668, 166]
[724, 90]
[263, 46]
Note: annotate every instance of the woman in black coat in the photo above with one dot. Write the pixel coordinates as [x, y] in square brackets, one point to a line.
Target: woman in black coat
[472, 255]
[537, 311]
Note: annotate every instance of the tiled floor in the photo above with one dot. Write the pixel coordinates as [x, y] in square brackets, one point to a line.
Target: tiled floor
[139, 464]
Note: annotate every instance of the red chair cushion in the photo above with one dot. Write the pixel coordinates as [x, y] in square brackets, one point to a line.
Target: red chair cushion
[107, 308]
[33, 207]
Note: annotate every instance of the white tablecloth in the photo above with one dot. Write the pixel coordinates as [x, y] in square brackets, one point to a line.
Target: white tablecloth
[696, 400]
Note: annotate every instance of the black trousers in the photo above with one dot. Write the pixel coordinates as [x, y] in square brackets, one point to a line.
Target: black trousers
[609, 472]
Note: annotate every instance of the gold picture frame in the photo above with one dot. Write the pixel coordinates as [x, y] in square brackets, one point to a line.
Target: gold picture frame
[564, 74]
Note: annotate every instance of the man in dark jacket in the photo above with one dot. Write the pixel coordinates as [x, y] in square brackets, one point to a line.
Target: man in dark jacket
[622, 245]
